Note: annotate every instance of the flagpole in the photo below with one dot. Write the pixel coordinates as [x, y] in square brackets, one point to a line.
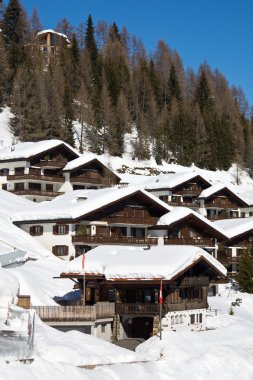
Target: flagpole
[83, 267]
[161, 304]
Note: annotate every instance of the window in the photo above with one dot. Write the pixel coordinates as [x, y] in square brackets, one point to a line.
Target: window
[34, 186]
[60, 250]
[192, 316]
[4, 171]
[138, 232]
[138, 295]
[200, 318]
[19, 186]
[36, 230]
[164, 198]
[61, 229]
[19, 170]
[49, 187]
[4, 186]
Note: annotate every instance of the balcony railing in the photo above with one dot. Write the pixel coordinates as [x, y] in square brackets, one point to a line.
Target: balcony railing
[86, 179]
[190, 192]
[221, 205]
[76, 313]
[40, 193]
[189, 241]
[195, 281]
[113, 240]
[35, 177]
[183, 204]
[131, 220]
[227, 259]
[51, 163]
[154, 308]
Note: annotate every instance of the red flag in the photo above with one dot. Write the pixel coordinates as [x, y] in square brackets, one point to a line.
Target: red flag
[161, 293]
[83, 261]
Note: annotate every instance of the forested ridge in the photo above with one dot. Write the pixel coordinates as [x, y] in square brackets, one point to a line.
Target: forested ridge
[105, 80]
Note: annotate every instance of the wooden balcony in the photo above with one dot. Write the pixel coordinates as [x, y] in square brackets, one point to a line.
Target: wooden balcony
[219, 205]
[190, 192]
[189, 241]
[183, 204]
[130, 220]
[35, 177]
[154, 308]
[227, 260]
[51, 164]
[40, 193]
[86, 179]
[195, 281]
[75, 313]
[122, 240]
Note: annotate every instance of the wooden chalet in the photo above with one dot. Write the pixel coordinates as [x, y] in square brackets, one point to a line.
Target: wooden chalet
[99, 217]
[185, 227]
[41, 171]
[50, 42]
[179, 189]
[240, 232]
[36, 175]
[89, 172]
[221, 203]
[136, 297]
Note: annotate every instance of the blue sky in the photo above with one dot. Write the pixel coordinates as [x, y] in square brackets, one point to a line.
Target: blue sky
[217, 31]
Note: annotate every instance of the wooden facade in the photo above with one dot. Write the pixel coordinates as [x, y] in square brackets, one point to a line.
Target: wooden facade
[186, 193]
[139, 298]
[41, 176]
[123, 222]
[223, 204]
[93, 173]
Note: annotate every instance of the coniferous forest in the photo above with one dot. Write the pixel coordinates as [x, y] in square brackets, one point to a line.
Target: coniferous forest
[104, 79]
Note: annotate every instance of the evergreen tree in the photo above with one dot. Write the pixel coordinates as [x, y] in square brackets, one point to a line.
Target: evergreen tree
[16, 33]
[5, 73]
[245, 273]
[173, 85]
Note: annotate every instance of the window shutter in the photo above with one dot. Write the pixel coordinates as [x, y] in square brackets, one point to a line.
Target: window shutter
[66, 229]
[32, 230]
[55, 230]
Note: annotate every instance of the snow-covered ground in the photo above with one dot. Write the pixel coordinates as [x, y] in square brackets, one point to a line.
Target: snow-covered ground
[224, 351]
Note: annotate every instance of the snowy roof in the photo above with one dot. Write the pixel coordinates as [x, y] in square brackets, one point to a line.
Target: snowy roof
[218, 187]
[137, 263]
[54, 32]
[171, 180]
[81, 202]
[25, 150]
[236, 226]
[80, 161]
[178, 213]
[83, 160]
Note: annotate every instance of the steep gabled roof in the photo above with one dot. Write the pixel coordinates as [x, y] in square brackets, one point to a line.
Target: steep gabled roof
[25, 150]
[120, 262]
[80, 203]
[235, 227]
[218, 188]
[172, 180]
[85, 159]
[183, 214]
